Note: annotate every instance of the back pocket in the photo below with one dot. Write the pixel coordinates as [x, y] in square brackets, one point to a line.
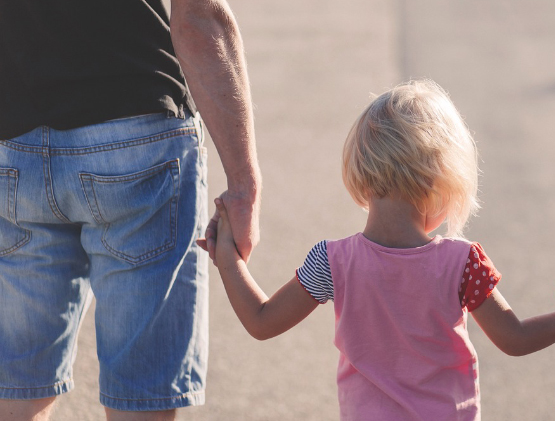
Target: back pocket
[138, 211]
[12, 236]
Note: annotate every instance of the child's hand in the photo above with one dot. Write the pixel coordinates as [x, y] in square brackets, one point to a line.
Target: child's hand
[262, 317]
[225, 245]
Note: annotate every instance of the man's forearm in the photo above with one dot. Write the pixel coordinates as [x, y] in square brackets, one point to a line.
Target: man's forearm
[209, 47]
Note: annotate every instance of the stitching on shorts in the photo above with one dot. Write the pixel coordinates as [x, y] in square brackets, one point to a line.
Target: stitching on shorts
[183, 395]
[60, 383]
[11, 211]
[124, 144]
[100, 217]
[139, 259]
[21, 148]
[172, 166]
[48, 187]
[93, 204]
[20, 243]
[101, 148]
[12, 190]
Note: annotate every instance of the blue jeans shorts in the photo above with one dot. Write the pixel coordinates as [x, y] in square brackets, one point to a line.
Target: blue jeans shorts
[111, 210]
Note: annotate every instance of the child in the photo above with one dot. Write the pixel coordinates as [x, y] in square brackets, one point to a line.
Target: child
[401, 297]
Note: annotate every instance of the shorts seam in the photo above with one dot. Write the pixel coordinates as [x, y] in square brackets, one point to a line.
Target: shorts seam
[100, 148]
[97, 207]
[183, 395]
[13, 175]
[62, 382]
[138, 259]
[171, 165]
[11, 200]
[18, 245]
[48, 186]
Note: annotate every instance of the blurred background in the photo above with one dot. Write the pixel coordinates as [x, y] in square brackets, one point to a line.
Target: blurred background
[312, 66]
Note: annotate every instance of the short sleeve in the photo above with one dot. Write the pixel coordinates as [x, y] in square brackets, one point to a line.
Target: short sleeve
[479, 278]
[315, 273]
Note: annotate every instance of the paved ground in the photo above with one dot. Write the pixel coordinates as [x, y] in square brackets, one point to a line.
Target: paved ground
[312, 65]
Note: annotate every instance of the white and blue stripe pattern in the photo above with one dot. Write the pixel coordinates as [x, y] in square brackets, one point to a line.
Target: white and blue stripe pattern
[315, 274]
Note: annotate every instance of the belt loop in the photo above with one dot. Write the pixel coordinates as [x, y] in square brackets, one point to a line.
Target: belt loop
[181, 112]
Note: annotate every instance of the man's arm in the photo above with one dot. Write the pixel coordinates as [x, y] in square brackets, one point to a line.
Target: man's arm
[209, 48]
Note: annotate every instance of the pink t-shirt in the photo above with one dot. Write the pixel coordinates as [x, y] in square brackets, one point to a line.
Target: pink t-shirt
[401, 331]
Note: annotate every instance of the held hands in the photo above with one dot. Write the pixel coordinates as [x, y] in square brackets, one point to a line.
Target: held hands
[243, 217]
[225, 244]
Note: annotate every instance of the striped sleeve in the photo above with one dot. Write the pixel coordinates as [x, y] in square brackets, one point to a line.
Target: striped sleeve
[315, 273]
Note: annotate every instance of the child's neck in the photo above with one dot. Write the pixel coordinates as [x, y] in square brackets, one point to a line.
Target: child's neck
[395, 223]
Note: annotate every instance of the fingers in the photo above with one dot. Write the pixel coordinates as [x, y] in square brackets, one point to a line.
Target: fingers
[202, 244]
[209, 242]
[211, 235]
[233, 222]
[211, 245]
[220, 207]
[242, 220]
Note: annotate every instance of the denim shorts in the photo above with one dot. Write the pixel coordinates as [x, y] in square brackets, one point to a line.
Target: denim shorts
[113, 210]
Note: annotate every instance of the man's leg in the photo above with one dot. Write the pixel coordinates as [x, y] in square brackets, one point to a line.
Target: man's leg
[43, 287]
[113, 415]
[147, 204]
[27, 410]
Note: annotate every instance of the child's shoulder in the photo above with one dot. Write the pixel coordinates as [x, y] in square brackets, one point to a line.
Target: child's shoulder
[451, 244]
[453, 240]
[459, 244]
[357, 239]
[350, 238]
[350, 241]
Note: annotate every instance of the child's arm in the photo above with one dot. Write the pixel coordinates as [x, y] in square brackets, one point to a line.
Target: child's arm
[262, 317]
[508, 333]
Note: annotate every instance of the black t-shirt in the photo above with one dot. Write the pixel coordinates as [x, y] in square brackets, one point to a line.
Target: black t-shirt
[71, 63]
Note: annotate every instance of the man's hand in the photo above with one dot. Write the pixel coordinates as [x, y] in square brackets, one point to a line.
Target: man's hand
[243, 213]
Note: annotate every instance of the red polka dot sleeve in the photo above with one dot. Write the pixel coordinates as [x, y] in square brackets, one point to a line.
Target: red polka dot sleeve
[479, 278]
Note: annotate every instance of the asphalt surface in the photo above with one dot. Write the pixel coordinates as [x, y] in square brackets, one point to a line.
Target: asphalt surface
[312, 66]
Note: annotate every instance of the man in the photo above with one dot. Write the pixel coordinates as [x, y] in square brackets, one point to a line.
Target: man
[103, 189]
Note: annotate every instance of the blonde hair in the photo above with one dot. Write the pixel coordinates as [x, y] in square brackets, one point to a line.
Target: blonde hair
[412, 141]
